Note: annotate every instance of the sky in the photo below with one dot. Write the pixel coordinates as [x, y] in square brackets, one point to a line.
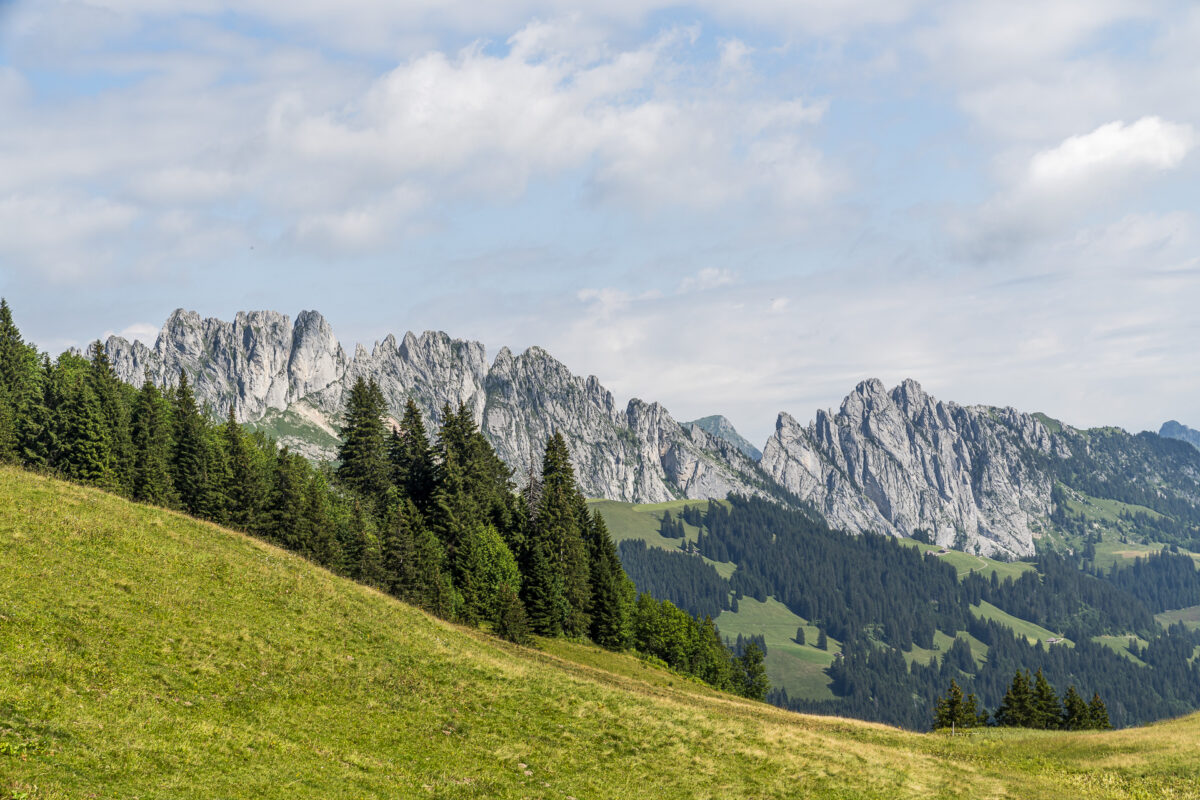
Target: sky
[729, 207]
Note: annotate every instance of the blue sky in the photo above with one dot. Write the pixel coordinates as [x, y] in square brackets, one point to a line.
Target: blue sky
[737, 208]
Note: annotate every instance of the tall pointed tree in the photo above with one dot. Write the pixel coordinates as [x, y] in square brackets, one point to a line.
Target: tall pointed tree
[113, 397]
[412, 464]
[189, 450]
[1046, 709]
[363, 454]
[609, 608]
[151, 440]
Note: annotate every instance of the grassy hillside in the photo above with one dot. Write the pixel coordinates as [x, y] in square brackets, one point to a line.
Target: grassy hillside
[148, 655]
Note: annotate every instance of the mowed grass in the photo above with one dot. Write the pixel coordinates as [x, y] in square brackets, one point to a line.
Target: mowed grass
[800, 669]
[147, 655]
[641, 521]
[966, 563]
[1032, 632]
[1189, 616]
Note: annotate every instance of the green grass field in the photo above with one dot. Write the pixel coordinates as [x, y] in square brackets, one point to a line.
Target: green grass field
[641, 520]
[967, 563]
[800, 669]
[1188, 616]
[1120, 645]
[1033, 633]
[148, 655]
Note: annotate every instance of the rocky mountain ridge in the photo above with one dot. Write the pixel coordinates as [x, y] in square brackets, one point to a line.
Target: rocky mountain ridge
[897, 462]
[294, 378]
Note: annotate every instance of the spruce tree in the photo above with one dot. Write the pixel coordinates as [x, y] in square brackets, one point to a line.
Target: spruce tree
[754, 673]
[284, 522]
[1075, 716]
[1098, 714]
[363, 454]
[189, 450]
[609, 612]
[1016, 710]
[822, 639]
[1046, 708]
[83, 445]
[246, 484]
[948, 712]
[21, 387]
[151, 440]
[411, 457]
[483, 566]
[562, 573]
[800, 635]
[114, 401]
[322, 545]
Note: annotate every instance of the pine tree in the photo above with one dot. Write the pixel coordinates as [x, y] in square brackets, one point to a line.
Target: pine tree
[754, 673]
[1075, 716]
[322, 545]
[948, 712]
[561, 577]
[113, 398]
[411, 457]
[609, 612]
[483, 565]
[151, 440]
[1098, 714]
[363, 454]
[511, 621]
[822, 639]
[1046, 708]
[800, 635]
[246, 486]
[84, 449]
[1016, 710]
[189, 449]
[21, 390]
[284, 522]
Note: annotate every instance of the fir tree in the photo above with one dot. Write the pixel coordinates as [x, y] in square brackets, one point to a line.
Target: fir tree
[411, 457]
[151, 440]
[189, 449]
[1016, 710]
[609, 612]
[321, 545]
[113, 398]
[364, 451]
[246, 487]
[21, 390]
[483, 565]
[284, 521]
[511, 621]
[1098, 714]
[800, 635]
[822, 639]
[754, 673]
[83, 445]
[1046, 708]
[1075, 716]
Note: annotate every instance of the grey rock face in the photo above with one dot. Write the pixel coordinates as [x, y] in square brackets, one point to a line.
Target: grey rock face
[722, 428]
[893, 462]
[638, 454]
[292, 380]
[257, 362]
[1174, 430]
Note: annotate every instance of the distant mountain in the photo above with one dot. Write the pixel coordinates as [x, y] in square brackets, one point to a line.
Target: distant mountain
[1174, 430]
[897, 462]
[292, 380]
[718, 426]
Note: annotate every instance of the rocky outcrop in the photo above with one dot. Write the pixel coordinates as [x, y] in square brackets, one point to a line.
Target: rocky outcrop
[257, 362]
[895, 462]
[292, 381]
[1175, 430]
[721, 428]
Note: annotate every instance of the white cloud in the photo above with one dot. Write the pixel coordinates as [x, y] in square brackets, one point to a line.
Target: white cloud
[707, 278]
[142, 332]
[1113, 148]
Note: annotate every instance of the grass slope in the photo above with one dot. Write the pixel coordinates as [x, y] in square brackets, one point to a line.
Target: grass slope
[798, 668]
[148, 655]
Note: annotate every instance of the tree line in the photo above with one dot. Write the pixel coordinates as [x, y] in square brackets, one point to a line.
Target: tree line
[437, 523]
[1030, 702]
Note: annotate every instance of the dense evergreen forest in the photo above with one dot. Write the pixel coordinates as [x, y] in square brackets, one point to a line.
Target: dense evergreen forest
[435, 523]
[880, 597]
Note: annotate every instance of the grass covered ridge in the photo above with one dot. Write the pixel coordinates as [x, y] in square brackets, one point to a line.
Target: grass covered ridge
[146, 654]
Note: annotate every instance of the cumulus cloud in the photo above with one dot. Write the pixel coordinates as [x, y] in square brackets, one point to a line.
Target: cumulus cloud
[1112, 149]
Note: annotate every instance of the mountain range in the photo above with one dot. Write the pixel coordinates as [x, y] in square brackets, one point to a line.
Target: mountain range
[978, 478]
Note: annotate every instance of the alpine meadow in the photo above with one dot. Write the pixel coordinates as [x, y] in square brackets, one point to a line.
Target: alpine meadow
[697, 400]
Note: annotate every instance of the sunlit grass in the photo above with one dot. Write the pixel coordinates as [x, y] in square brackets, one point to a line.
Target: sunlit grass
[148, 655]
